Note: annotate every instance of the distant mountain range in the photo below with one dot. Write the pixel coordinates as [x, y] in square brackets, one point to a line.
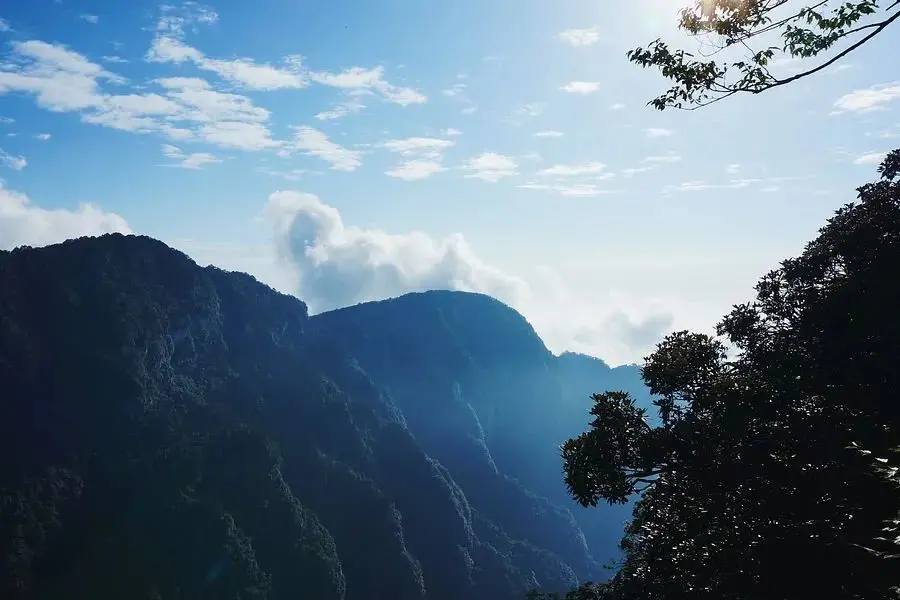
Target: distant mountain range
[175, 432]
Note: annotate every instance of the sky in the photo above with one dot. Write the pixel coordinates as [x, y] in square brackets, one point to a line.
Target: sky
[347, 151]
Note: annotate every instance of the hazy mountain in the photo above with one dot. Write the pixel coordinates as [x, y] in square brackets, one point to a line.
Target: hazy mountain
[171, 431]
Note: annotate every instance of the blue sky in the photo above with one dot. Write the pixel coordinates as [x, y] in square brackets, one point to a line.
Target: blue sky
[346, 151]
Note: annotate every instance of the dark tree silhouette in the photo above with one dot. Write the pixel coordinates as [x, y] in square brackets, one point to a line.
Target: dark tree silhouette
[772, 471]
[743, 41]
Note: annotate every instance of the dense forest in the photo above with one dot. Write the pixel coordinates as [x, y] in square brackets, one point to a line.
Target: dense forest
[773, 469]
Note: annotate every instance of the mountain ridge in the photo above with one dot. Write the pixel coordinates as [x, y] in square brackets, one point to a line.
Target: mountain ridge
[138, 383]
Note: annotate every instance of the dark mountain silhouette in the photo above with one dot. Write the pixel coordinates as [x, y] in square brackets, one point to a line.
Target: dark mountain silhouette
[172, 431]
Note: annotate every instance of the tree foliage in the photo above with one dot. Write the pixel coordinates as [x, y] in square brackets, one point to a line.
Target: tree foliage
[746, 37]
[772, 472]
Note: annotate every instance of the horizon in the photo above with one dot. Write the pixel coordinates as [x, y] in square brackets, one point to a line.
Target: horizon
[322, 151]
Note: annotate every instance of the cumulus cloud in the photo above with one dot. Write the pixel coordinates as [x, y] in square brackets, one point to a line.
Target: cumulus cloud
[23, 223]
[491, 167]
[339, 265]
[580, 37]
[629, 335]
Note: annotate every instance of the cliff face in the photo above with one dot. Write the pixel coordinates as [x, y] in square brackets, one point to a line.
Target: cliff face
[171, 431]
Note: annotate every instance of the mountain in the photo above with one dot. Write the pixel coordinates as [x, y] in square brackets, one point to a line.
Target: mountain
[171, 431]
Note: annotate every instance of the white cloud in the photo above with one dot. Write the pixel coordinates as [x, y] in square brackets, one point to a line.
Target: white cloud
[315, 143]
[451, 132]
[657, 132]
[362, 79]
[418, 145]
[92, 19]
[616, 106]
[532, 109]
[339, 265]
[23, 223]
[43, 136]
[700, 185]
[632, 171]
[581, 87]
[16, 163]
[64, 81]
[61, 80]
[491, 167]
[424, 155]
[340, 110]
[414, 170]
[869, 99]
[580, 37]
[665, 158]
[870, 158]
[7, 120]
[4, 26]
[457, 89]
[188, 161]
[573, 170]
[168, 48]
[114, 59]
[469, 110]
[549, 134]
[732, 169]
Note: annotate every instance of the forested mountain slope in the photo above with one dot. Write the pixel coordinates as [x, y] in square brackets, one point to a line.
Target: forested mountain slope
[171, 431]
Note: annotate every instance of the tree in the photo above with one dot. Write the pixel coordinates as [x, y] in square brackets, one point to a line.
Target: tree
[772, 473]
[741, 34]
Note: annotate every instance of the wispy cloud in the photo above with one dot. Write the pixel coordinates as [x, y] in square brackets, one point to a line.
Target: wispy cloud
[581, 87]
[4, 26]
[423, 156]
[188, 161]
[571, 170]
[870, 158]
[657, 132]
[868, 99]
[580, 37]
[664, 158]
[450, 131]
[341, 110]
[116, 60]
[43, 136]
[92, 19]
[313, 142]
[16, 163]
[549, 134]
[414, 170]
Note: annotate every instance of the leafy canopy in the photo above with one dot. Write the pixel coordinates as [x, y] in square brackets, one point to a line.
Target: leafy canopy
[772, 471]
[745, 37]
